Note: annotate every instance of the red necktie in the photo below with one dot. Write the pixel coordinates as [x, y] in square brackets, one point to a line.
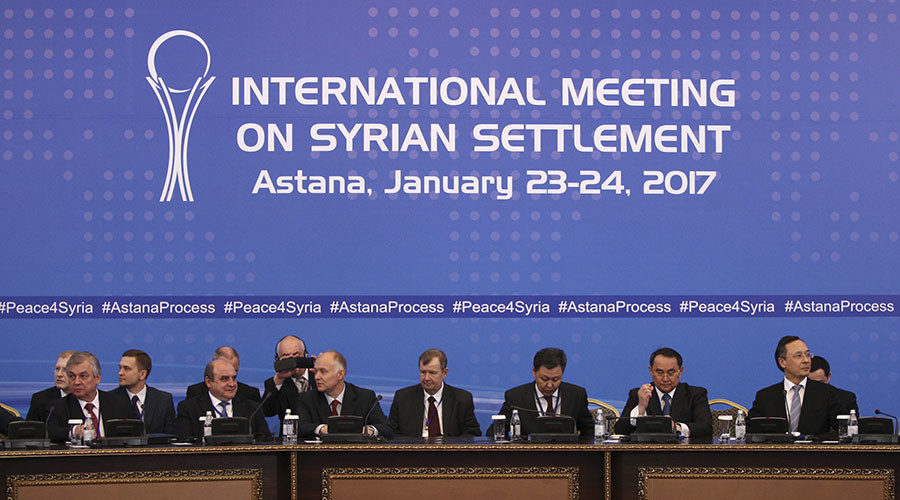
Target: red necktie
[90, 408]
[550, 410]
[434, 423]
[334, 405]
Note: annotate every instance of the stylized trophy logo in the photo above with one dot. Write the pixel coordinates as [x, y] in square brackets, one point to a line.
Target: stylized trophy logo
[179, 127]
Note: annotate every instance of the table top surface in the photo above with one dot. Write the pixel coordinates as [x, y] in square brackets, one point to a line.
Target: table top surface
[459, 444]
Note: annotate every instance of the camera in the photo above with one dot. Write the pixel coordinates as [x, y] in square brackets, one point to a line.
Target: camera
[291, 363]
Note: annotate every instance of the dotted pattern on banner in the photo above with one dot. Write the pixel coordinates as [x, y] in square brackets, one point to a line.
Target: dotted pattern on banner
[801, 52]
[67, 58]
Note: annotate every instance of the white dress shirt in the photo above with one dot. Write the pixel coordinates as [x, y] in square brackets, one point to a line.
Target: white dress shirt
[142, 396]
[682, 429]
[789, 394]
[99, 431]
[541, 402]
[229, 410]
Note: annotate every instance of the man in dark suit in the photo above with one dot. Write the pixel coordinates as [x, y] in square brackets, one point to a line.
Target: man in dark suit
[667, 395]
[154, 406]
[548, 395]
[42, 400]
[810, 407]
[84, 401]
[433, 408]
[820, 370]
[243, 390]
[222, 400]
[287, 385]
[337, 397]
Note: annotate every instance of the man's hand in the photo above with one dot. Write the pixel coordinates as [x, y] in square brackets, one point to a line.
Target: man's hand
[323, 430]
[281, 376]
[644, 395]
[368, 430]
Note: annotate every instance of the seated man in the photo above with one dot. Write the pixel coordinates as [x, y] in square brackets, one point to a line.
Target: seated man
[243, 390]
[433, 408]
[820, 370]
[84, 401]
[337, 397]
[222, 400]
[287, 385]
[810, 407]
[667, 395]
[154, 406]
[548, 395]
[42, 400]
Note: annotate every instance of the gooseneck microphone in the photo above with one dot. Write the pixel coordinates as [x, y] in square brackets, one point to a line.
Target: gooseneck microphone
[47, 422]
[371, 407]
[896, 426]
[253, 413]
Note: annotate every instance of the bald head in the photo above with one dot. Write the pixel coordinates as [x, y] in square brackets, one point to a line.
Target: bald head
[228, 354]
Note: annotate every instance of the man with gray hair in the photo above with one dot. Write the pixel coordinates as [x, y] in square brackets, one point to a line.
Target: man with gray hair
[85, 401]
[433, 408]
[337, 397]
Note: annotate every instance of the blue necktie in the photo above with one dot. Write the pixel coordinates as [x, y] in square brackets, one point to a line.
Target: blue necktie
[666, 406]
[224, 412]
[796, 406]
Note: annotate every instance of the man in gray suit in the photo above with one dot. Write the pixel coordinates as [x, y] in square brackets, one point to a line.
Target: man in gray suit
[155, 407]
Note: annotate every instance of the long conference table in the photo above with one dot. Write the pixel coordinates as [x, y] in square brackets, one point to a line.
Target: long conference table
[454, 469]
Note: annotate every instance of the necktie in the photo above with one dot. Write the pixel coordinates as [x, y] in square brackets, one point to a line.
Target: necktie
[550, 410]
[224, 412]
[796, 406]
[303, 384]
[334, 407]
[90, 408]
[667, 407]
[434, 423]
[136, 404]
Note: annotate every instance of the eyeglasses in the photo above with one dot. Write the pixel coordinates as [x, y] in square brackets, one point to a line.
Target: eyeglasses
[801, 355]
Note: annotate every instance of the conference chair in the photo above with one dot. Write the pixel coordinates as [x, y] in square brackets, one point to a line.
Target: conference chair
[732, 409]
[607, 410]
[11, 410]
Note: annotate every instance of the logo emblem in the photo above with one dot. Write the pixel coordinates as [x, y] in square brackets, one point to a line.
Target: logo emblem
[178, 124]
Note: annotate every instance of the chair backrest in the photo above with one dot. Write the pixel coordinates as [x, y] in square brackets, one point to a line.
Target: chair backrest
[10, 409]
[731, 409]
[607, 410]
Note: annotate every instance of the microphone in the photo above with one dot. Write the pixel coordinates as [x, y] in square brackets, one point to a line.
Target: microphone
[897, 427]
[253, 413]
[47, 422]
[371, 407]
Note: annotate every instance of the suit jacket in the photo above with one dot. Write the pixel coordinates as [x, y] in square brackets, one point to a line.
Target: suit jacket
[407, 416]
[574, 404]
[112, 406]
[159, 411]
[245, 391]
[690, 406]
[41, 402]
[818, 414]
[188, 426]
[313, 410]
[847, 400]
[5, 419]
[284, 397]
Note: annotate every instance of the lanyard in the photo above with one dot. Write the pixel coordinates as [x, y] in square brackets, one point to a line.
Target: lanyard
[537, 398]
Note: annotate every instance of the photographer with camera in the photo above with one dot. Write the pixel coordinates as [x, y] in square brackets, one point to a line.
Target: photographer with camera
[293, 376]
